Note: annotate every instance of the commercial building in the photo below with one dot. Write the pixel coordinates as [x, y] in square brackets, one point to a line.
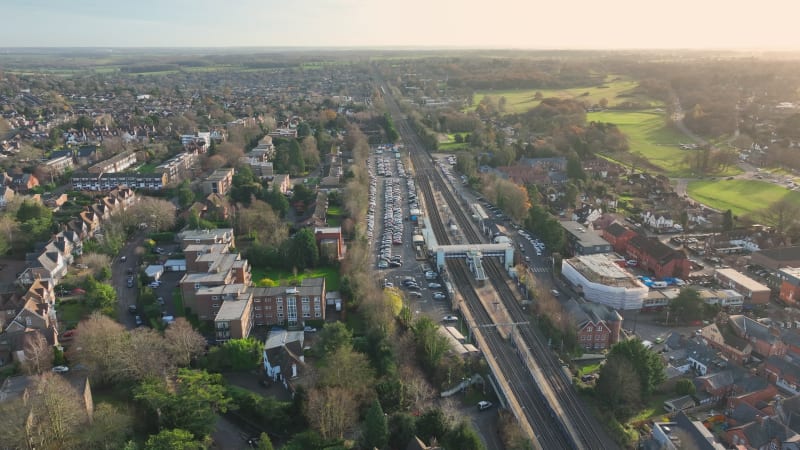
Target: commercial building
[752, 290]
[650, 254]
[602, 280]
[790, 285]
[584, 241]
[777, 258]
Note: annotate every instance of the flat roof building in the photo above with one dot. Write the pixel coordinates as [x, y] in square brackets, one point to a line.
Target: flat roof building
[582, 240]
[603, 281]
[751, 289]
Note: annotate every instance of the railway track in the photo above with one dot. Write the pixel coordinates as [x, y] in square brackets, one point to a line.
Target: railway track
[552, 408]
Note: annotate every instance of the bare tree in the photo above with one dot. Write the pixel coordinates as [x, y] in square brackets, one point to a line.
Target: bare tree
[144, 355]
[259, 219]
[331, 411]
[96, 261]
[183, 342]
[782, 216]
[231, 152]
[56, 412]
[38, 354]
[310, 152]
[101, 341]
[110, 429]
[156, 213]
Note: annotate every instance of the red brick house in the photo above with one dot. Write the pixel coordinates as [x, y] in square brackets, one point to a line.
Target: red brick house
[765, 340]
[657, 257]
[329, 242]
[618, 236]
[598, 326]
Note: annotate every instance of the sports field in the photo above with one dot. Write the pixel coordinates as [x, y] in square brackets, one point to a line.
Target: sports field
[740, 196]
[519, 101]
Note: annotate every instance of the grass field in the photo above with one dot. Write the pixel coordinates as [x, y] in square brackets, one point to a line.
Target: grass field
[450, 144]
[617, 91]
[284, 277]
[740, 196]
[648, 135]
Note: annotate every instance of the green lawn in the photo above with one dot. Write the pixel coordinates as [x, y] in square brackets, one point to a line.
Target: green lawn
[148, 168]
[648, 135]
[521, 100]
[449, 143]
[177, 302]
[740, 196]
[72, 312]
[283, 277]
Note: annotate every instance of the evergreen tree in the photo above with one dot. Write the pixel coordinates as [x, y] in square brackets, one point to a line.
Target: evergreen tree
[376, 428]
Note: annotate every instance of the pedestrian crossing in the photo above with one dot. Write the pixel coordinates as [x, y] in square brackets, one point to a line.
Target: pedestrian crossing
[539, 269]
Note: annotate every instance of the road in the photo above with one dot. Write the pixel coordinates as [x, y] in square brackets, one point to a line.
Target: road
[125, 296]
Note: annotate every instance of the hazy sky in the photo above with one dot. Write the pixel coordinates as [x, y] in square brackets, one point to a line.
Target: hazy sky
[429, 23]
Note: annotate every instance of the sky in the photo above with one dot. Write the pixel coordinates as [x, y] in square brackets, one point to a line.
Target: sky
[518, 24]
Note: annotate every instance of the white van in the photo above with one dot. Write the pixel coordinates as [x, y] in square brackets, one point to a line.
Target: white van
[555, 292]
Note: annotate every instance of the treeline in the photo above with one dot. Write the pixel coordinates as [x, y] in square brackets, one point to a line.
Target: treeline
[388, 125]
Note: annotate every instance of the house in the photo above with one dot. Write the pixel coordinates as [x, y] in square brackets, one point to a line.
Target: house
[777, 258]
[765, 340]
[764, 433]
[85, 155]
[682, 433]
[733, 347]
[583, 240]
[679, 404]
[784, 371]
[24, 182]
[330, 243]
[752, 290]
[282, 182]
[618, 236]
[290, 305]
[598, 326]
[658, 221]
[6, 195]
[219, 182]
[283, 356]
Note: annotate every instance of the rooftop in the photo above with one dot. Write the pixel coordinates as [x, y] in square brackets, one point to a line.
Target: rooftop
[603, 268]
[742, 280]
[587, 237]
[232, 310]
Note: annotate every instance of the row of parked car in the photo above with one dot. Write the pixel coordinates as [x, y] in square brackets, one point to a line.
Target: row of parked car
[537, 244]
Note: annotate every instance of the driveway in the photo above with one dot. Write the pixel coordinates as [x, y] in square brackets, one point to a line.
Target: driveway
[125, 296]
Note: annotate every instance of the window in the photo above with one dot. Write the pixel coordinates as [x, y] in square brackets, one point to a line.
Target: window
[258, 316]
[197, 286]
[257, 300]
[280, 316]
[305, 308]
[305, 300]
[280, 308]
[258, 308]
[306, 315]
[215, 305]
[215, 297]
[317, 314]
[268, 307]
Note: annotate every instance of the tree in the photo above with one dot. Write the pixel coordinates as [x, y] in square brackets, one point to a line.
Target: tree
[264, 443]
[8, 227]
[335, 335]
[687, 306]
[685, 387]
[100, 296]
[331, 411]
[157, 214]
[109, 430]
[463, 436]
[235, 354]
[727, 220]
[175, 439]
[782, 216]
[402, 428]
[376, 428]
[302, 251]
[619, 386]
[101, 341]
[647, 365]
[38, 354]
[185, 196]
[310, 152]
[183, 342]
[190, 403]
[432, 424]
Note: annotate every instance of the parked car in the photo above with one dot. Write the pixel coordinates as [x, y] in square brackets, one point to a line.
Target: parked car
[60, 369]
[434, 285]
[154, 284]
[123, 258]
[450, 318]
[132, 309]
[138, 320]
[483, 405]
[439, 296]
[308, 329]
